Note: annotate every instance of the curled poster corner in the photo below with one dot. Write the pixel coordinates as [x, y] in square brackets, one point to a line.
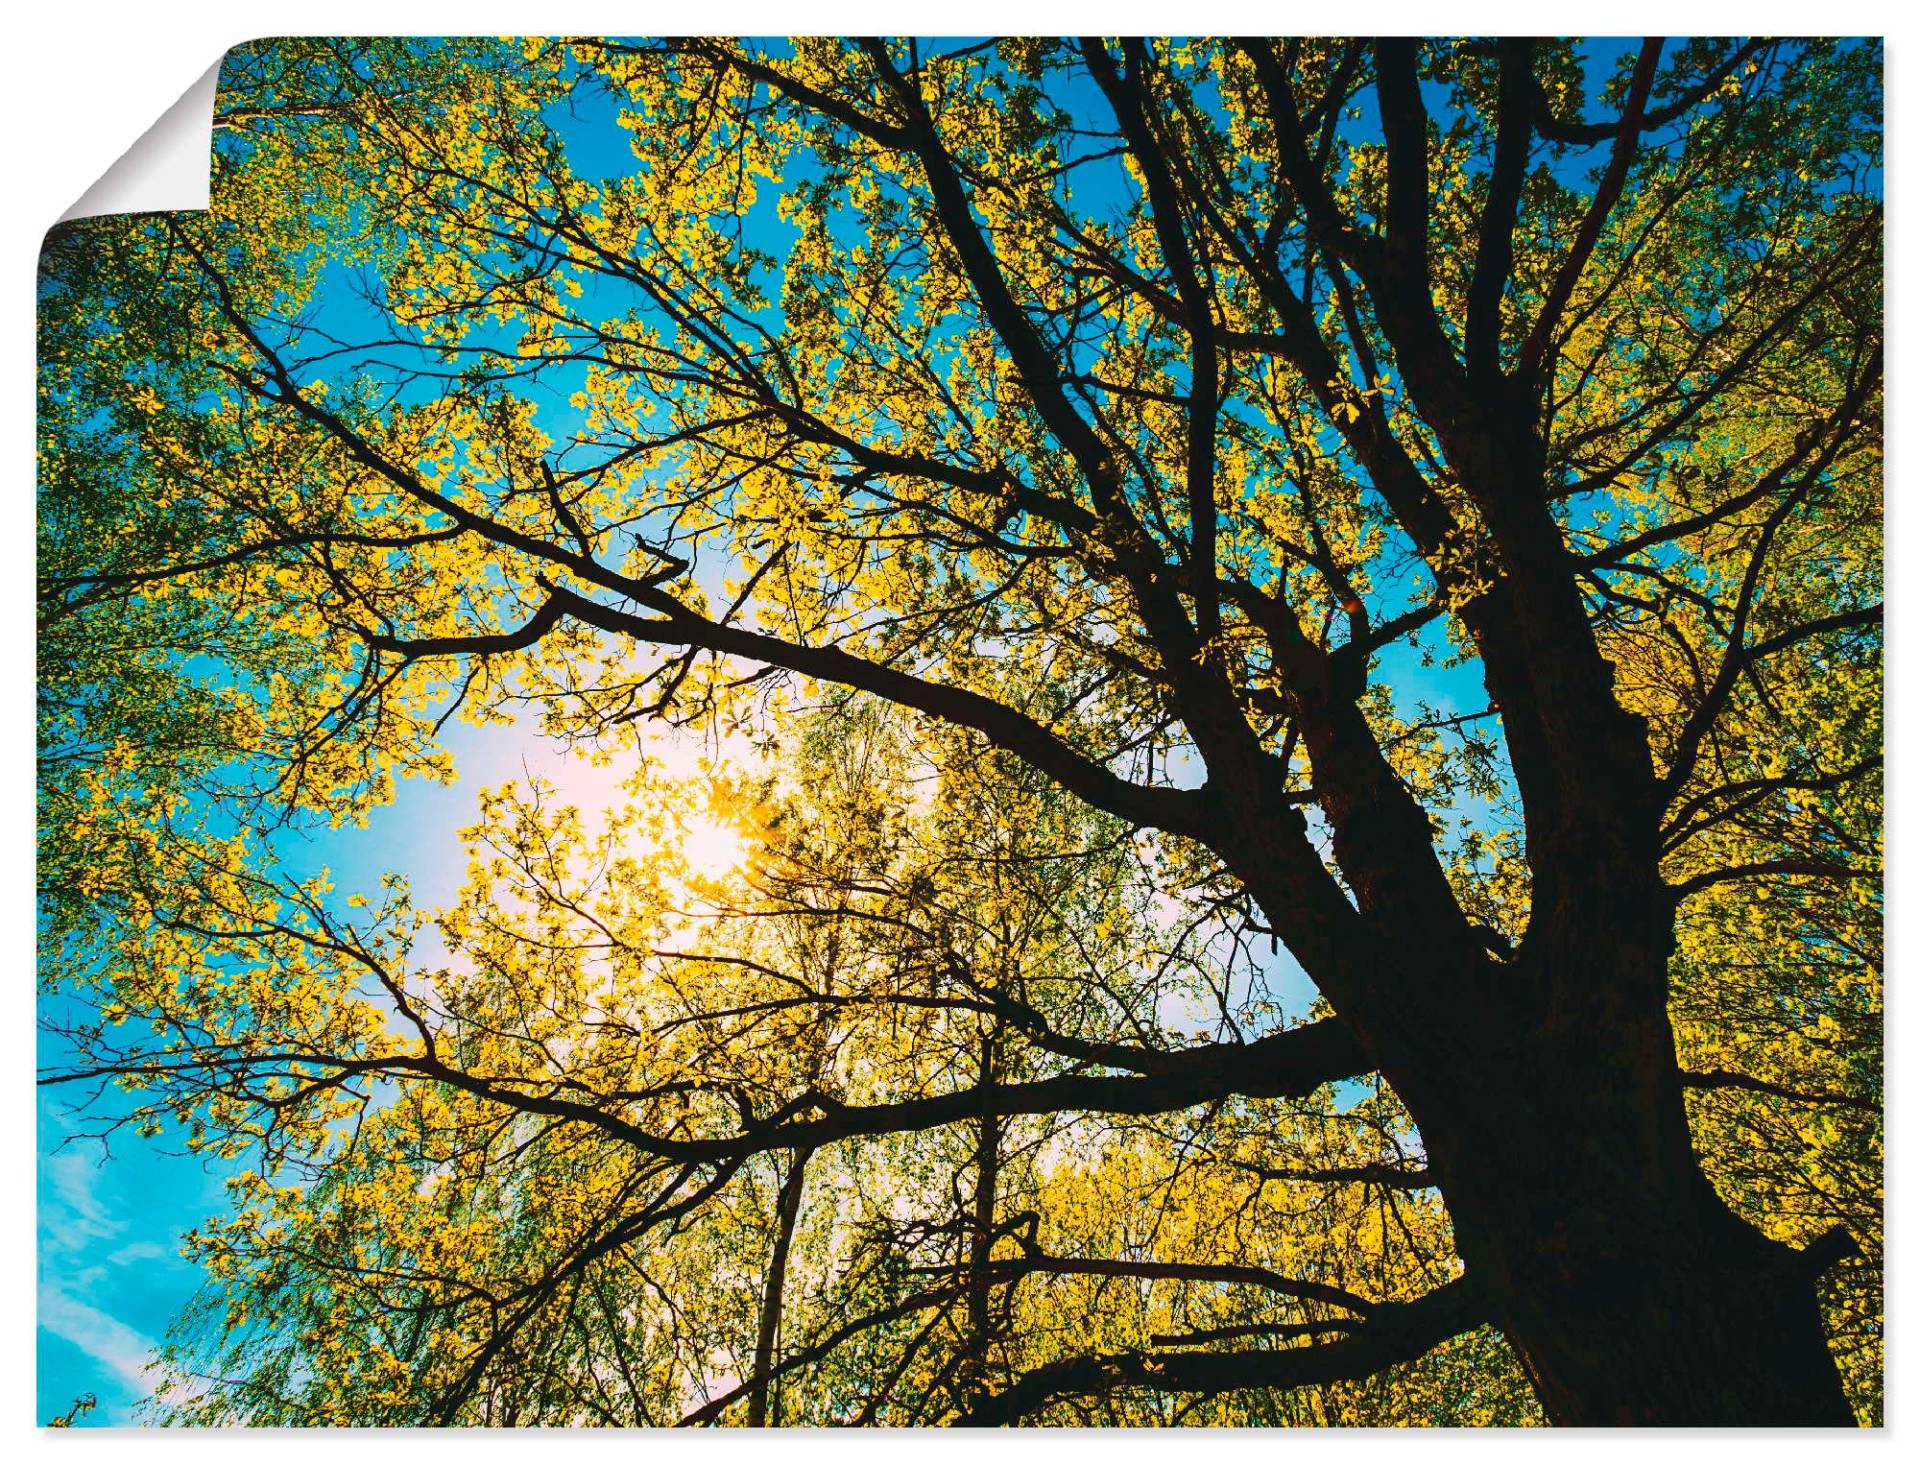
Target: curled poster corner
[166, 171]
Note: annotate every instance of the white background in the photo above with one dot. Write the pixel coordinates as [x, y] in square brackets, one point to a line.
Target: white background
[79, 82]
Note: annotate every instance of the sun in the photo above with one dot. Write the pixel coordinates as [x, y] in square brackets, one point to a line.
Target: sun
[712, 846]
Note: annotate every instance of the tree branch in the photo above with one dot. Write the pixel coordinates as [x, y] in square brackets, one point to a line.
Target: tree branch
[1725, 1078]
[1626, 144]
[1399, 1332]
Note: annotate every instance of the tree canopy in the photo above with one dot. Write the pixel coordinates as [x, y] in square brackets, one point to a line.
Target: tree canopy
[1295, 629]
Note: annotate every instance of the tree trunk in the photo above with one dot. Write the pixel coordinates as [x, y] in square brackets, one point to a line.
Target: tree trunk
[1697, 1335]
[980, 1241]
[1630, 1291]
[774, 1294]
[1547, 1088]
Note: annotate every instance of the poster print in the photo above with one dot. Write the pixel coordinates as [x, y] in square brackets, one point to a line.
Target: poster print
[834, 732]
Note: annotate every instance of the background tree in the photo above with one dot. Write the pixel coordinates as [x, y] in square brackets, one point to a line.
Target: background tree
[1165, 431]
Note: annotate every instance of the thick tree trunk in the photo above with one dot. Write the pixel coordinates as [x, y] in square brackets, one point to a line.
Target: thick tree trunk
[1691, 1332]
[1550, 1096]
[1630, 1291]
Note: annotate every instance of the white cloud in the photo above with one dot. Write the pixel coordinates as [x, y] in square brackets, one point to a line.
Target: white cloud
[77, 1254]
[106, 1339]
[73, 1216]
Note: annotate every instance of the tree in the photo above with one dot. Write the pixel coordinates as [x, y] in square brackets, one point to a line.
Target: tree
[1094, 471]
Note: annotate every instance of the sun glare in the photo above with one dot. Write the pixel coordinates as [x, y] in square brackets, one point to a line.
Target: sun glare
[712, 846]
